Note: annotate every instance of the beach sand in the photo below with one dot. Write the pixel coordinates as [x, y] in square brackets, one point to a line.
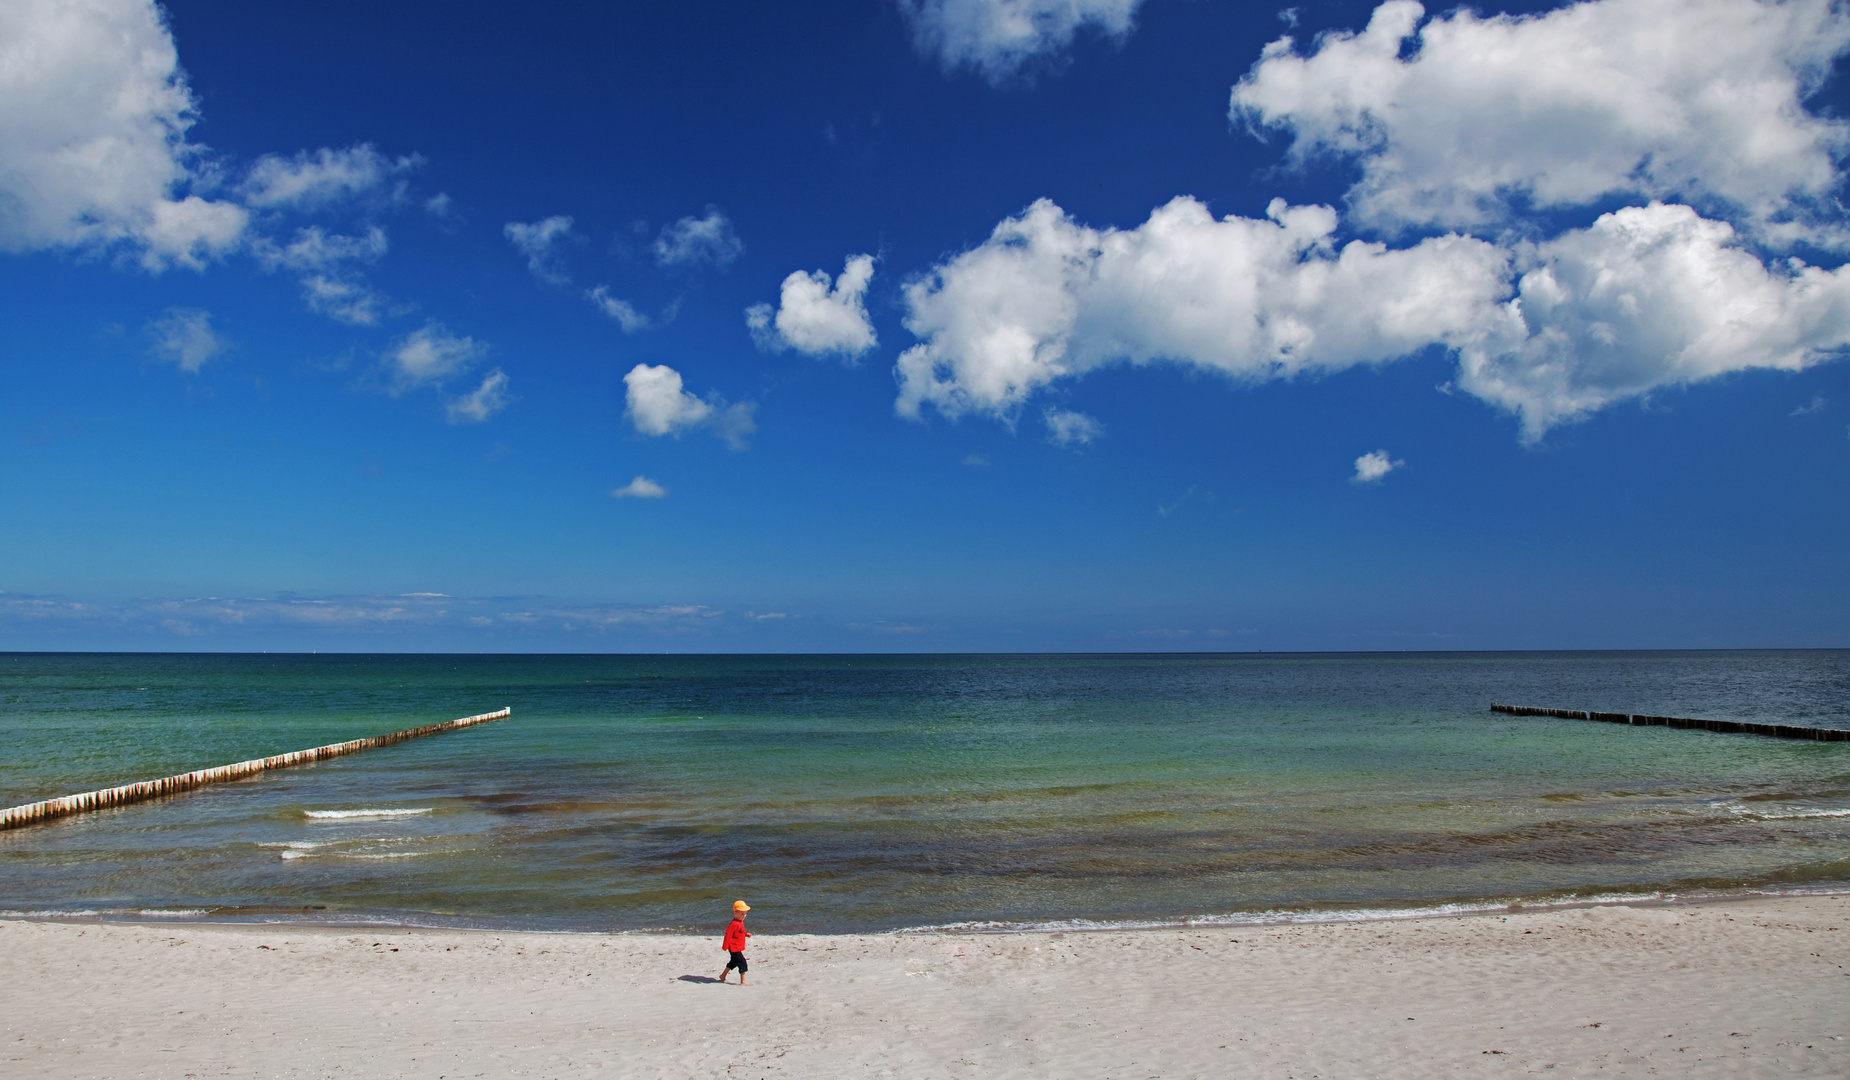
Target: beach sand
[1747, 988]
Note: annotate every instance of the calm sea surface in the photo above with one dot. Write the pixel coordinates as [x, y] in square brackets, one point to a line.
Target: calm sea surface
[876, 792]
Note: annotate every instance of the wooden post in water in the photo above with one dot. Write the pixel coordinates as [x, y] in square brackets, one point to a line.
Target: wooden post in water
[1777, 731]
[154, 789]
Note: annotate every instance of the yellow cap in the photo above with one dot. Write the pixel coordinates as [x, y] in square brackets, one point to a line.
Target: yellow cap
[740, 905]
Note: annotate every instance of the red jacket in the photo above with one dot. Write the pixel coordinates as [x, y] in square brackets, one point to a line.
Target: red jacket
[735, 936]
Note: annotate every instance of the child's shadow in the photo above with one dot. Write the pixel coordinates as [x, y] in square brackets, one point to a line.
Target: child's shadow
[699, 979]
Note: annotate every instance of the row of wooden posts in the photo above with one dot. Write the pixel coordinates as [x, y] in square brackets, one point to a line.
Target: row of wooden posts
[1777, 731]
[154, 789]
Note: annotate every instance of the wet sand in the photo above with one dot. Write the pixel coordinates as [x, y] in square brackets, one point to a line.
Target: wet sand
[1746, 988]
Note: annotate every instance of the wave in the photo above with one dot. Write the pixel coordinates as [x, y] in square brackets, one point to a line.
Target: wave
[298, 854]
[1276, 917]
[1786, 815]
[80, 913]
[337, 814]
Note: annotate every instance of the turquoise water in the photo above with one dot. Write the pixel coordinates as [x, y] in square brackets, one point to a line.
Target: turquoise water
[877, 792]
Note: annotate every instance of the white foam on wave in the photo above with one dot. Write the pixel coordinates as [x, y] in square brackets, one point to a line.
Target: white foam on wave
[299, 854]
[337, 814]
[83, 913]
[172, 913]
[348, 849]
[1785, 814]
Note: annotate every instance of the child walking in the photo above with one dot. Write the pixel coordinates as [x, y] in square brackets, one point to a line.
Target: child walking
[734, 942]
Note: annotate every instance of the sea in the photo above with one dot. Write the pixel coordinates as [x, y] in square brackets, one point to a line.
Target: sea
[869, 793]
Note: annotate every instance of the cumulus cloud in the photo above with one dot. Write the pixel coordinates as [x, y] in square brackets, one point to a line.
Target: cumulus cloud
[429, 356]
[311, 180]
[1645, 298]
[1046, 298]
[1372, 466]
[658, 405]
[1068, 428]
[183, 337]
[641, 488]
[539, 242]
[1649, 297]
[695, 240]
[622, 311]
[1700, 101]
[998, 38]
[481, 403]
[811, 317]
[94, 112]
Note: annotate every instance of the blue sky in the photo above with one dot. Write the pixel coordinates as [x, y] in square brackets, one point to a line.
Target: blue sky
[923, 325]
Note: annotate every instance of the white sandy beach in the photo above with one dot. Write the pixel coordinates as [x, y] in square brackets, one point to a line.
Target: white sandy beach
[1748, 988]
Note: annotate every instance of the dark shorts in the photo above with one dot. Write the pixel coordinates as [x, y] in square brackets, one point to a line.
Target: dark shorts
[737, 961]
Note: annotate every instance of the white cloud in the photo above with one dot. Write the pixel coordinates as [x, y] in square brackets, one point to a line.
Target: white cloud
[1816, 404]
[1372, 466]
[1645, 298]
[183, 337]
[1650, 297]
[999, 37]
[539, 242]
[188, 231]
[481, 403]
[342, 299]
[694, 240]
[815, 319]
[94, 112]
[428, 356]
[326, 176]
[1696, 100]
[316, 249]
[329, 285]
[1045, 298]
[657, 405]
[1068, 428]
[623, 311]
[641, 488]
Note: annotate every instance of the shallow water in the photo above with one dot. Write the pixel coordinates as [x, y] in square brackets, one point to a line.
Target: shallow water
[875, 792]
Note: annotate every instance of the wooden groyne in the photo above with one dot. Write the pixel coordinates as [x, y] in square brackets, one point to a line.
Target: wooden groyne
[154, 789]
[1777, 731]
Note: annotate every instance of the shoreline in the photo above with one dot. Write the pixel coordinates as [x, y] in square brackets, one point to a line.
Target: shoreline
[1757, 986]
[288, 917]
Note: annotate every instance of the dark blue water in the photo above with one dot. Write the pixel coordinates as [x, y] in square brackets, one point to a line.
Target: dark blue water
[873, 792]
